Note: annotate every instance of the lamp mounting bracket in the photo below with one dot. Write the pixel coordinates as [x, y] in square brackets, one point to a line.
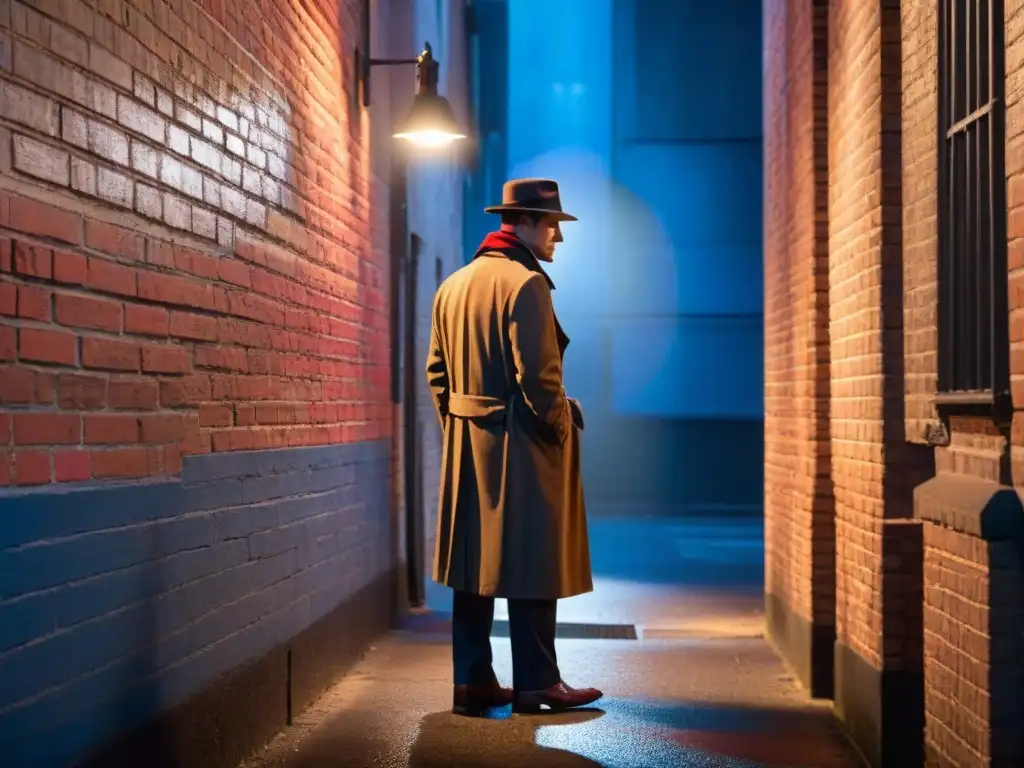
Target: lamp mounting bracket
[364, 62]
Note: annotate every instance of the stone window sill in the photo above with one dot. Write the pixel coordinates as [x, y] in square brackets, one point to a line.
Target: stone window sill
[970, 505]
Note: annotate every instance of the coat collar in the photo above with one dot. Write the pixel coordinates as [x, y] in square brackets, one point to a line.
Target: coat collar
[511, 247]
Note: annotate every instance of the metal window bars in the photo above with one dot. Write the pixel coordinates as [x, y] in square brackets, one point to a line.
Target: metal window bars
[972, 302]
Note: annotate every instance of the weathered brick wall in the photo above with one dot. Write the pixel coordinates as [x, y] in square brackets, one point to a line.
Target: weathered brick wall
[1014, 15]
[878, 560]
[919, 41]
[971, 586]
[799, 511]
[896, 578]
[973, 621]
[189, 253]
[119, 603]
[194, 255]
[857, 241]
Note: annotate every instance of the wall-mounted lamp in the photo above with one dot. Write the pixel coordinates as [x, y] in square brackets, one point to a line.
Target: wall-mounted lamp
[430, 122]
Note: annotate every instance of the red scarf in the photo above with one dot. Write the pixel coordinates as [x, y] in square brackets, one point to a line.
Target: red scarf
[508, 245]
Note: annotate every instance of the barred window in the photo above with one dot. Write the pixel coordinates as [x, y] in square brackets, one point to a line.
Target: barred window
[973, 343]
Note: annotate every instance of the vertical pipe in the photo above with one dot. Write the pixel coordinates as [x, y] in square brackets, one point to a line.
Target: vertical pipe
[413, 469]
[364, 59]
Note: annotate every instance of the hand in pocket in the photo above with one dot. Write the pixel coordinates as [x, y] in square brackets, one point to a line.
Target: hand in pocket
[577, 413]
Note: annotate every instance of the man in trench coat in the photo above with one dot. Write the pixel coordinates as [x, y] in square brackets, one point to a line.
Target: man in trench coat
[511, 514]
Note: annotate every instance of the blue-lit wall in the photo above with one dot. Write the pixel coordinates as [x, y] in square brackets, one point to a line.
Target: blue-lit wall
[657, 148]
[488, 59]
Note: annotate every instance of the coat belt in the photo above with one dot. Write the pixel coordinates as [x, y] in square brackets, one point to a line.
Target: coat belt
[476, 406]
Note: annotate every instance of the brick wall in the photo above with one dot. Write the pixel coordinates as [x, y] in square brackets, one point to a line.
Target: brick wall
[972, 572]
[194, 267]
[878, 561]
[121, 603]
[189, 259]
[840, 475]
[927, 611]
[799, 506]
[919, 40]
[1014, 15]
[856, 243]
[973, 623]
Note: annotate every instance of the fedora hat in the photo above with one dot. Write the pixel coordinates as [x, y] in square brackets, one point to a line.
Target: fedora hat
[531, 196]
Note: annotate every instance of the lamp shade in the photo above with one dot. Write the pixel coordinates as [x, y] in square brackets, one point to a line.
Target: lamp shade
[430, 122]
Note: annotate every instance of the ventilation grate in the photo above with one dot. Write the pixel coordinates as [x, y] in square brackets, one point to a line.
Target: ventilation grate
[581, 631]
[699, 634]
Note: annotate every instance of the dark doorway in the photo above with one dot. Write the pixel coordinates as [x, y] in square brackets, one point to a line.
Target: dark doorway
[412, 444]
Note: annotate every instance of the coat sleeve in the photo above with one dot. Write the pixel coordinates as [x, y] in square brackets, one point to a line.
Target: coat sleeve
[537, 360]
[437, 371]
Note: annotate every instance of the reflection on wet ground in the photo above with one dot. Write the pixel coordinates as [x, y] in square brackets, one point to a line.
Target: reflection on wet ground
[699, 687]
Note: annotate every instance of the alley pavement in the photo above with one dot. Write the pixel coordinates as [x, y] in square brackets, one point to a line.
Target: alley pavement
[699, 686]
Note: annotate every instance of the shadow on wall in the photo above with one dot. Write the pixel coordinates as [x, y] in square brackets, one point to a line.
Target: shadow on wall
[109, 694]
[230, 596]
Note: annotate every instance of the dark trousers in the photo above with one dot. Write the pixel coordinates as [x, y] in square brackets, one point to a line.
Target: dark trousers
[532, 631]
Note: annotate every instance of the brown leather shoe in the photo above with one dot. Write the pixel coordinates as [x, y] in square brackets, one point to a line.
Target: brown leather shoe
[558, 697]
[475, 700]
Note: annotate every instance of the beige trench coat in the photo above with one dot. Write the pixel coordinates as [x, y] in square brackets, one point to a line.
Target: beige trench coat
[511, 513]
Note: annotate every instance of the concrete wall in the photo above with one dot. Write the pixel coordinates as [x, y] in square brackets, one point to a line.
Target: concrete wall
[659, 284]
[196, 436]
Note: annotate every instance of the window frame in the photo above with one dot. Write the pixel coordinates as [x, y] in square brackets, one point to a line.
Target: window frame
[985, 122]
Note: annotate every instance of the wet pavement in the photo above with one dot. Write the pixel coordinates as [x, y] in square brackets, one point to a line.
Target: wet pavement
[699, 687]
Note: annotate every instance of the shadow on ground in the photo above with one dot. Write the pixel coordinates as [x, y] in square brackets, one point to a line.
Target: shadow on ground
[446, 740]
[719, 699]
[636, 735]
[625, 734]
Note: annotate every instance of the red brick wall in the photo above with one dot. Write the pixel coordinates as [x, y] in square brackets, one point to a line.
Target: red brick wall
[971, 624]
[799, 507]
[872, 470]
[834, 465]
[1014, 15]
[855, 290]
[930, 600]
[186, 260]
[835, 356]
[971, 589]
[919, 39]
